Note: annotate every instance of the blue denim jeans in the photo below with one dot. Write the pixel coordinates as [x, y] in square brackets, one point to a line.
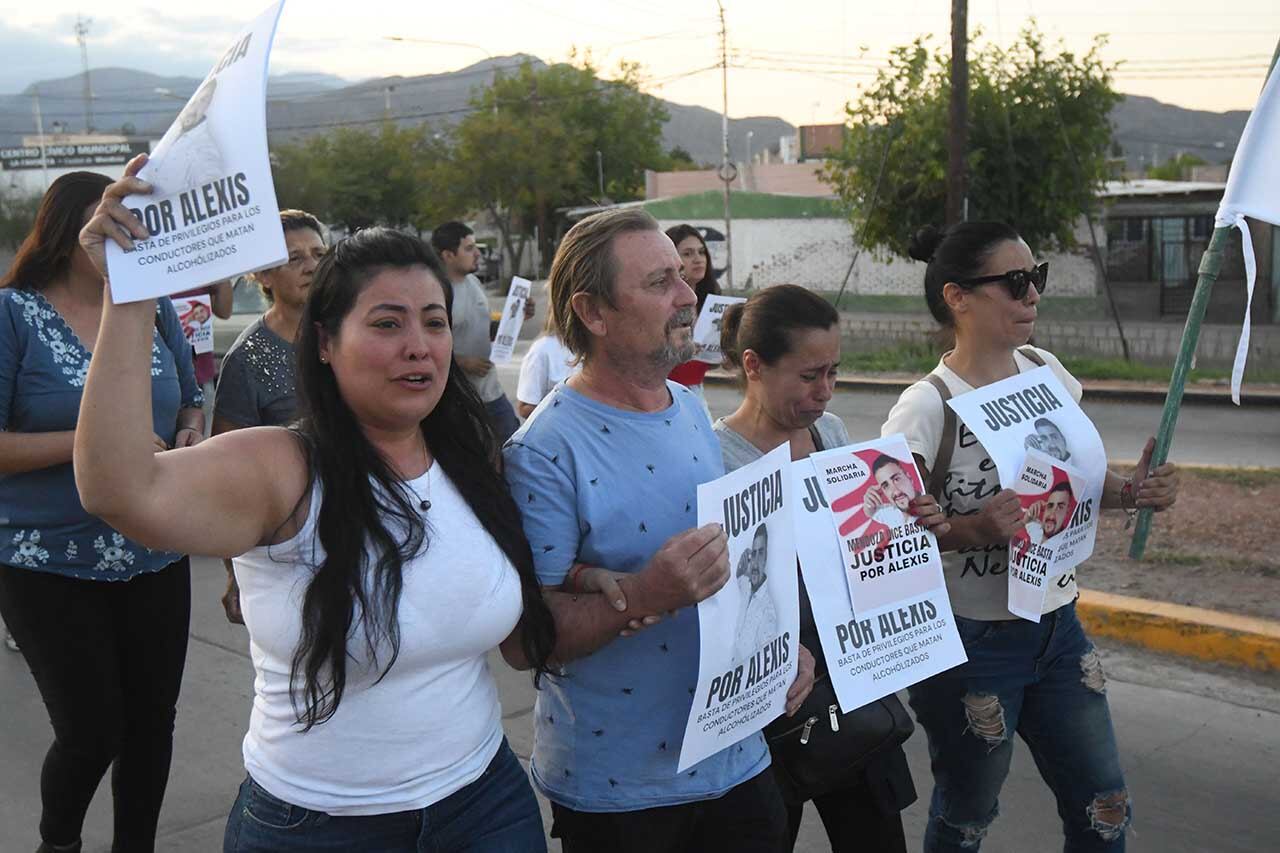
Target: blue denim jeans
[502, 417]
[1045, 682]
[497, 813]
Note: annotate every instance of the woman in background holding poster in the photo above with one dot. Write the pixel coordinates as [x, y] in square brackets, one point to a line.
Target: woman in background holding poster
[101, 619]
[785, 342]
[1043, 680]
[695, 263]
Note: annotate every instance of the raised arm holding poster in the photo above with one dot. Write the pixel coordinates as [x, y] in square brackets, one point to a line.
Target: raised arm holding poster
[504, 342]
[706, 329]
[875, 651]
[213, 213]
[1033, 411]
[749, 631]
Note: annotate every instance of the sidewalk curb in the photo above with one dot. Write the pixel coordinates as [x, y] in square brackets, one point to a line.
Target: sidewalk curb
[1092, 391]
[1194, 632]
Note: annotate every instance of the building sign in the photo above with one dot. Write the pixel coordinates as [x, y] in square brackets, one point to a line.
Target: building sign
[71, 155]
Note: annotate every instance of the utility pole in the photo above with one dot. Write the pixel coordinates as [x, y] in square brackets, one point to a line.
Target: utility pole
[44, 152]
[958, 129]
[82, 36]
[600, 173]
[727, 170]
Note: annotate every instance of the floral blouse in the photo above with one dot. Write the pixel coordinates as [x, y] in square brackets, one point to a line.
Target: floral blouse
[42, 373]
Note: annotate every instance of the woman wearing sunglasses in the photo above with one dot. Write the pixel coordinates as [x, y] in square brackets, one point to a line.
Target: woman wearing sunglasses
[1042, 680]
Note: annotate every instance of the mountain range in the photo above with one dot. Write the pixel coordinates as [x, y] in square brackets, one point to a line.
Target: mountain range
[300, 104]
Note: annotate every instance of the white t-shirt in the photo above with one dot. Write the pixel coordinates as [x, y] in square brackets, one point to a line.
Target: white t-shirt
[547, 363]
[470, 320]
[977, 578]
[433, 723]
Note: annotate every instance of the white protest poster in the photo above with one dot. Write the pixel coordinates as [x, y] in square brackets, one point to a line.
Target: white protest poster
[213, 213]
[196, 315]
[1033, 411]
[706, 329]
[750, 629]
[873, 653]
[504, 342]
[887, 554]
[1042, 549]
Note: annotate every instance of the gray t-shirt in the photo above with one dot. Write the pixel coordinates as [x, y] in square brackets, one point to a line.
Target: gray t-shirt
[471, 333]
[256, 386]
[737, 451]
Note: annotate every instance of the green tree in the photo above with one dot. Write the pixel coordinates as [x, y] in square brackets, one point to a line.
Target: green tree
[529, 146]
[1176, 169]
[1038, 141]
[680, 160]
[357, 177]
[17, 216]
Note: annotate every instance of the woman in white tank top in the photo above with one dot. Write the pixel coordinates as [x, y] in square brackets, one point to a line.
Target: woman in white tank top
[379, 554]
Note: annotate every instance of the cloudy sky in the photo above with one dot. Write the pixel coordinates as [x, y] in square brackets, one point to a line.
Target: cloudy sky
[799, 60]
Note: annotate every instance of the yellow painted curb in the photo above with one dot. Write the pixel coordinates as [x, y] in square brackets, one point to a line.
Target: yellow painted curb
[1180, 630]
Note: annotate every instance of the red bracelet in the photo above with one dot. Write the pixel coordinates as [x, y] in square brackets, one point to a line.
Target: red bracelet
[571, 580]
[1127, 500]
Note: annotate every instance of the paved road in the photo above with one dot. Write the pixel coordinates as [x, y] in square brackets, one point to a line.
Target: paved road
[1201, 752]
[1206, 435]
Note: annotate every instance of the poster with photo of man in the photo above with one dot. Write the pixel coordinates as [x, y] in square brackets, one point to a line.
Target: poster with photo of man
[212, 212]
[504, 342]
[887, 554]
[706, 329]
[870, 653]
[1047, 490]
[749, 631]
[196, 315]
[1033, 413]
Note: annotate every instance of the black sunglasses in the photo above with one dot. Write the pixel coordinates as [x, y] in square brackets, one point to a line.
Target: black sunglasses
[1017, 281]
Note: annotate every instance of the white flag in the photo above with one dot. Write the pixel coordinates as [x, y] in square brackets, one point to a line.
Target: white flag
[1253, 189]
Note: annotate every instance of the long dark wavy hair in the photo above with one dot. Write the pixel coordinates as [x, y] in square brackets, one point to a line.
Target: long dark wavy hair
[708, 285]
[45, 255]
[365, 508]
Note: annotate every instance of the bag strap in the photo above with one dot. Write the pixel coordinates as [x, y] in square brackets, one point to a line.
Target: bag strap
[817, 439]
[947, 444]
[1030, 354]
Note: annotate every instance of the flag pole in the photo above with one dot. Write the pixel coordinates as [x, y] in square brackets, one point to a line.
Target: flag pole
[1210, 264]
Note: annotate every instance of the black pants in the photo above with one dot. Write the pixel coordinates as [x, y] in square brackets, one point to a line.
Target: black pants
[865, 815]
[107, 658]
[750, 818]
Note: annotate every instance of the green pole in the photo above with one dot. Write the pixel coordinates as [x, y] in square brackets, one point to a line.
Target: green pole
[1210, 263]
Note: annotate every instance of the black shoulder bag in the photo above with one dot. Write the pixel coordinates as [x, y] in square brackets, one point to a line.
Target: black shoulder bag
[820, 749]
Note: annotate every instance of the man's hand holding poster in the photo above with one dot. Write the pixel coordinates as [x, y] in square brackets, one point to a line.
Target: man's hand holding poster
[1033, 412]
[706, 329]
[1047, 490]
[504, 342]
[212, 213]
[750, 629]
[853, 533]
[196, 315]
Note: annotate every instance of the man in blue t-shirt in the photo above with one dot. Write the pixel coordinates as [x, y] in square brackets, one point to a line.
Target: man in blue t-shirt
[606, 472]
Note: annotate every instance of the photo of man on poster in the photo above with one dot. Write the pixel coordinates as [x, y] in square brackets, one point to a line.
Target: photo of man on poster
[189, 155]
[757, 622]
[893, 492]
[1049, 439]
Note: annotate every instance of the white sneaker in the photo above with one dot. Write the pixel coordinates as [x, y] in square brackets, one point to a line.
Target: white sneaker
[10, 642]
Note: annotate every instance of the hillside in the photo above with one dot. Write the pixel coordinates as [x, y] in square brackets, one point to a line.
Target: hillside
[301, 104]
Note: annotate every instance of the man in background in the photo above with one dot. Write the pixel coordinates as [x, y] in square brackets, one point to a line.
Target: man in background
[455, 243]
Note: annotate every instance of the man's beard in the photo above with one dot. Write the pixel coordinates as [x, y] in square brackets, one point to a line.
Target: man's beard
[669, 355]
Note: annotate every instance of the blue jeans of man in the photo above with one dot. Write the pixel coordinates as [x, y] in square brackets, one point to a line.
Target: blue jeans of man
[497, 813]
[1045, 682]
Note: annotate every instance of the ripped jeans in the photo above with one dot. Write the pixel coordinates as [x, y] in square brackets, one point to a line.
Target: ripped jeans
[1045, 682]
